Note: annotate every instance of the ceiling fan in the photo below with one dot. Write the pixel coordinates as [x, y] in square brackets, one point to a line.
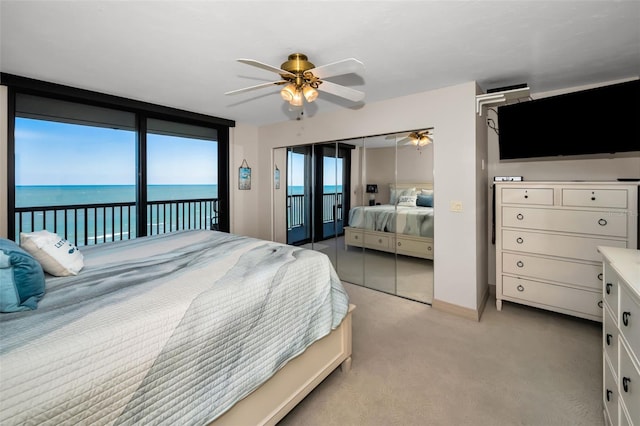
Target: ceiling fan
[302, 79]
[418, 138]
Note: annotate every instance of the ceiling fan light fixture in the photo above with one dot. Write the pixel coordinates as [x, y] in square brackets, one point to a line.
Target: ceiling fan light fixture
[288, 92]
[424, 140]
[310, 94]
[297, 98]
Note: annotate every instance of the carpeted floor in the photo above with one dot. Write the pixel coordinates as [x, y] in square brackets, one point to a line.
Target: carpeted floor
[413, 365]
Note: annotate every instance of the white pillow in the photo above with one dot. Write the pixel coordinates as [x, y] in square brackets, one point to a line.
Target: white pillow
[426, 191]
[57, 256]
[407, 200]
[397, 193]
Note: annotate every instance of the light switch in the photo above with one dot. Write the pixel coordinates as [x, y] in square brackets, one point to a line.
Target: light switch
[455, 206]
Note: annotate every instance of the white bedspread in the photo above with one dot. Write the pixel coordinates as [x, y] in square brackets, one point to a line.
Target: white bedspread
[389, 218]
[171, 329]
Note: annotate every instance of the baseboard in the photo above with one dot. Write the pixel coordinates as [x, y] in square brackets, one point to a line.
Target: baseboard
[458, 310]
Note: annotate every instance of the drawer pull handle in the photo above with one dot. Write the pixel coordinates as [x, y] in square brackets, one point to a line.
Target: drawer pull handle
[520, 288]
[380, 240]
[526, 196]
[520, 264]
[519, 216]
[519, 240]
[600, 276]
[600, 304]
[625, 318]
[609, 285]
[355, 237]
[593, 198]
[625, 383]
[609, 337]
[602, 222]
[399, 243]
[429, 248]
[609, 393]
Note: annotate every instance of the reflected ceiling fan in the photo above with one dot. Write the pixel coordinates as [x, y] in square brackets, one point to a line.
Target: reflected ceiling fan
[303, 80]
[418, 138]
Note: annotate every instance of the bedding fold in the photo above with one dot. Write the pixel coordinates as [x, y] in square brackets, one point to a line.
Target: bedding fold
[168, 329]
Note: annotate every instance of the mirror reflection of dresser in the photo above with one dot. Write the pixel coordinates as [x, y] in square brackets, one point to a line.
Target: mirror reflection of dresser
[365, 202]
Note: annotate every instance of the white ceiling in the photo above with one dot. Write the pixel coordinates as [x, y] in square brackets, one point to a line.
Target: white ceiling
[183, 53]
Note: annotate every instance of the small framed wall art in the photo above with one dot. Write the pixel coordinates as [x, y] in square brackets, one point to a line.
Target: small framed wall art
[276, 178]
[244, 176]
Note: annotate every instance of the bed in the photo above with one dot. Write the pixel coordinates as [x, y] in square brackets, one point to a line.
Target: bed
[179, 328]
[398, 227]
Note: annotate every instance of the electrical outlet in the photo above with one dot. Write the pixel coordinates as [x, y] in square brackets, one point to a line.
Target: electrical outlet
[455, 206]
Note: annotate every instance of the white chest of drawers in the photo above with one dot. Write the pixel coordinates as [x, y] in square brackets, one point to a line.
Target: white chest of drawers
[621, 336]
[547, 238]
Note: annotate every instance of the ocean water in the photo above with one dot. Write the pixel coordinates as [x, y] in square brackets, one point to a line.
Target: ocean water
[37, 196]
[299, 190]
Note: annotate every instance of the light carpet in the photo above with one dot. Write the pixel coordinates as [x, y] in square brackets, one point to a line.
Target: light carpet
[413, 365]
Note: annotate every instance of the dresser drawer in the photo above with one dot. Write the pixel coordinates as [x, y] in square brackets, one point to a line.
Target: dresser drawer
[539, 196]
[556, 245]
[551, 295]
[354, 237]
[610, 338]
[629, 321]
[574, 221]
[610, 289]
[610, 395]
[629, 384]
[603, 198]
[580, 274]
[408, 246]
[376, 241]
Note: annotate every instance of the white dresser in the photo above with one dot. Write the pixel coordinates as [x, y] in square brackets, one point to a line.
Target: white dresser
[621, 336]
[547, 238]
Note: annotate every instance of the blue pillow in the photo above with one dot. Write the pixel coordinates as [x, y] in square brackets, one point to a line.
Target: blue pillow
[21, 279]
[424, 200]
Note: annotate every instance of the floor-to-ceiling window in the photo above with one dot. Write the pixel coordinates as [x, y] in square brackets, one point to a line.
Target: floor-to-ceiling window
[94, 169]
[182, 176]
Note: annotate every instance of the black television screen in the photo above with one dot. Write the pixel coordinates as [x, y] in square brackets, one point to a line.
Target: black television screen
[603, 120]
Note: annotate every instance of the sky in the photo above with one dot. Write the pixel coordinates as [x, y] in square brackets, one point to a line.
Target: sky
[52, 153]
[295, 176]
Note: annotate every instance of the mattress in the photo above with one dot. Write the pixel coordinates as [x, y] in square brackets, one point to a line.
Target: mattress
[417, 221]
[168, 329]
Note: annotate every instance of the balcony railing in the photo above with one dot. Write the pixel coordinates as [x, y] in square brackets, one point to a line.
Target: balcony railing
[331, 209]
[88, 224]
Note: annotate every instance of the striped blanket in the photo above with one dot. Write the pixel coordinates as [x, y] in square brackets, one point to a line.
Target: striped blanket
[389, 218]
[169, 329]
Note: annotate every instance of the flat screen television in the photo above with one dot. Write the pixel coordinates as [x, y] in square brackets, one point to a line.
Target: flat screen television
[603, 120]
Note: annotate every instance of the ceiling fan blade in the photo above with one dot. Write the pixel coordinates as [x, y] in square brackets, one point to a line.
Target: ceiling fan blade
[257, 86]
[345, 66]
[264, 66]
[342, 91]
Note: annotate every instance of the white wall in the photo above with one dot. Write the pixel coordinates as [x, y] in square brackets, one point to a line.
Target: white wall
[451, 111]
[243, 140]
[586, 168]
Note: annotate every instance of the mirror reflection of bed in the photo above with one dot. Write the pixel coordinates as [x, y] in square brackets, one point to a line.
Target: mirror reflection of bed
[376, 243]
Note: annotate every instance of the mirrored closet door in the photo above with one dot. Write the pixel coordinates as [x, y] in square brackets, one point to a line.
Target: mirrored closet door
[368, 204]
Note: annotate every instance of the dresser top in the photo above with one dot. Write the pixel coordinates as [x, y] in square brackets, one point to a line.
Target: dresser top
[626, 262]
[569, 182]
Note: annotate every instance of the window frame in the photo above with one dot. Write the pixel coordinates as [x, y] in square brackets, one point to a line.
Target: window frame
[143, 111]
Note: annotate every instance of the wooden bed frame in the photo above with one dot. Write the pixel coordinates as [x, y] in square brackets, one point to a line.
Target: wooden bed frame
[268, 404]
[408, 245]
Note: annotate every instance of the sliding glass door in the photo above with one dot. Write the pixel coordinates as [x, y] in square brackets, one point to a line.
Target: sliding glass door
[299, 195]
